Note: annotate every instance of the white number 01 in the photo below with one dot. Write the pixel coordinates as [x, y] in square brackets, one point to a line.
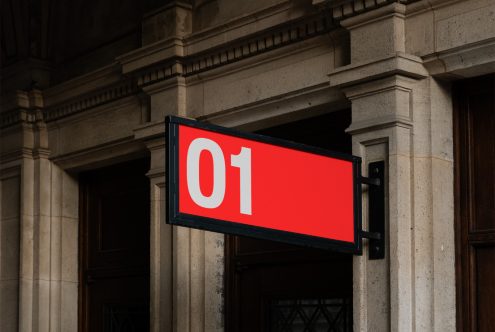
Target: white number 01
[241, 160]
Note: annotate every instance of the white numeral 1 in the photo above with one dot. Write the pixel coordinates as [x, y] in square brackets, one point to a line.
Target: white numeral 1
[243, 161]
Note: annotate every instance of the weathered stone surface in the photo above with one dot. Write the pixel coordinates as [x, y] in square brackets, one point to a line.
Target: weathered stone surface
[241, 64]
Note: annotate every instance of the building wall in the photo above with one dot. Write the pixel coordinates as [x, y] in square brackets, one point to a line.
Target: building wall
[247, 65]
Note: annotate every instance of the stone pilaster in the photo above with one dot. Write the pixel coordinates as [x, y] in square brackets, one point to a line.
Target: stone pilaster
[10, 227]
[161, 286]
[174, 20]
[402, 116]
[41, 210]
[186, 264]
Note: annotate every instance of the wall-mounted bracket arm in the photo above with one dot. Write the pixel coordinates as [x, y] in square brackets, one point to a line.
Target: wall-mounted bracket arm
[376, 210]
[371, 235]
[370, 181]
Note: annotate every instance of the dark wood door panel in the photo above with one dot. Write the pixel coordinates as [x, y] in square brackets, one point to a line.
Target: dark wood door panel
[117, 302]
[482, 164]
[114, 248]
[474, 134]
[484, 260]
[118, 233]
[261, 287]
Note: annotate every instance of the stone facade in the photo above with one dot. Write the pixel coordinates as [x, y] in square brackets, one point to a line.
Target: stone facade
[248, 65]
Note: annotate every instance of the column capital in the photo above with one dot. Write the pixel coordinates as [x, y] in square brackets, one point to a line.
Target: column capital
[152, 134]
[402, 64]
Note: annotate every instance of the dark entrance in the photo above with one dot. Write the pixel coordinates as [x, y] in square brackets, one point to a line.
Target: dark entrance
[277, 287]
[114, 249]
[474, 132]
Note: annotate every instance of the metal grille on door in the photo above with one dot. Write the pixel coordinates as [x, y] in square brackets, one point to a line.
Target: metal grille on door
[311, 315]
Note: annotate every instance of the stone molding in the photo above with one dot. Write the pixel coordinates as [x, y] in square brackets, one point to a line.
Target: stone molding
[295, 104]
[152, 135]
[380, 123]
[208, 38]
[345, 9]
[150, 131]
[84, 84]
[10, 118]
[466, 61]
[342, 9]
[399, 64]
[120, 150]
[393, 84]
[92, 99]
[182, 66]
[98, 97]
[21, 107]
[237, 50]
[15, 156]
[175, 63]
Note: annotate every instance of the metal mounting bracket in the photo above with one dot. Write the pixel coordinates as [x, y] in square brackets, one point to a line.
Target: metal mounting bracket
[376, 210]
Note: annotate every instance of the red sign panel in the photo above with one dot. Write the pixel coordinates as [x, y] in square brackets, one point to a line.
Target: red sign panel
[246, 184]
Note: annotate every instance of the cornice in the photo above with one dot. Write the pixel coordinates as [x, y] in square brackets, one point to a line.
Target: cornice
[101, 77]
[16, 116]
[120, 150]
[237, 50]
[343, 9]
[150, 131]
[13, 157]
[263, 17]
[92, 99]
[257, 115]
[384, 122]
[151, 54]
[95, 98]
[419, 6]
[389, 10]
[207, 38]
[397, 64]
[468, 60]
[264, 41]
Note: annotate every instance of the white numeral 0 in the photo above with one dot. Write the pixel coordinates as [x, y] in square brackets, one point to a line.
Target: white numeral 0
[242, 161]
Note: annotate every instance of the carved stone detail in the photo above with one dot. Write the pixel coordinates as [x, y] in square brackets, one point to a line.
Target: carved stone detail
[96, 98]
[342, 9]
[240, 49]
[270, 39]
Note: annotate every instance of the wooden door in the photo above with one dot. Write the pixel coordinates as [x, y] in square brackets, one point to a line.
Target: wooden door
[114, 249]
[278, 287]
[474, 132]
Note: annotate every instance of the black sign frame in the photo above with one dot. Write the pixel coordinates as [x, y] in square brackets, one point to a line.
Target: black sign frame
[174, 217]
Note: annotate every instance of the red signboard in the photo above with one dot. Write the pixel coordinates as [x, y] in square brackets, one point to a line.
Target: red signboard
[230, 182]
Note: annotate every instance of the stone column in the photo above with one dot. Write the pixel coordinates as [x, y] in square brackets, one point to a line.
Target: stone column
[40, 209]
[161, 286]
[9, 246]
[186, 264]
[10, 220]
[402, 116]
